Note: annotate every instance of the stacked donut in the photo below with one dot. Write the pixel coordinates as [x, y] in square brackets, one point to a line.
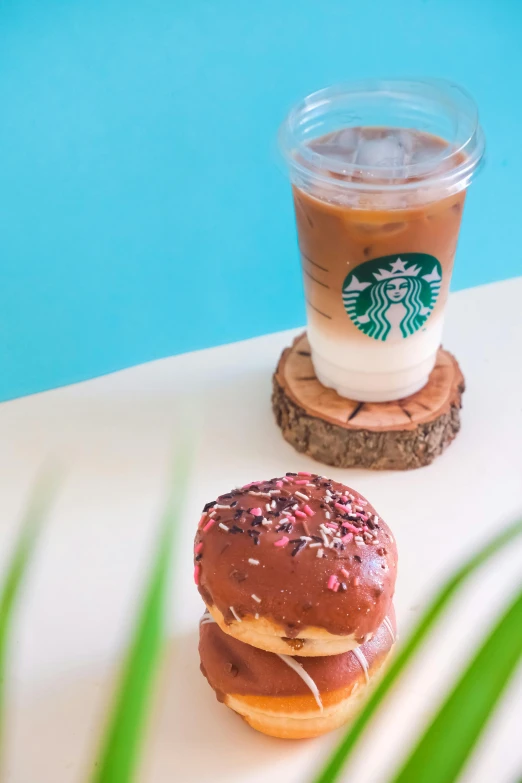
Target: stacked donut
[297, 574]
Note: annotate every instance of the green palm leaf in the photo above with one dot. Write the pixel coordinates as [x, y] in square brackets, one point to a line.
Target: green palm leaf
[121, 745]
[34, 516]
[445, 746]
[340, 756]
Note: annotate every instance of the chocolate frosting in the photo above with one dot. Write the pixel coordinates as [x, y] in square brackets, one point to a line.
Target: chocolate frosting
[233, 667]
[256, 552]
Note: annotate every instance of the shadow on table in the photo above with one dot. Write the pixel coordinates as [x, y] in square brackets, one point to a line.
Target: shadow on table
[53, 730]
[195, 738]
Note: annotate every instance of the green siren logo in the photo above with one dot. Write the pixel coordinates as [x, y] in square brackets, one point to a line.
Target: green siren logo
[390, 298]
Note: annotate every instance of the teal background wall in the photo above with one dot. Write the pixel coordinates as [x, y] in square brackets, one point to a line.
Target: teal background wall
[140, 195]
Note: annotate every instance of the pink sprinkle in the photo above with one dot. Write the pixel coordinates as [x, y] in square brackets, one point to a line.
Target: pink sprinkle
[283, 541]
[332, 582]
[286, 479]
[301, 482]
[300, 514]
[304, 473]
[256, 512]
[196, 574]
[198, 548]
[351, 528]
[345, 573]
[308, 510]
[200, 523]
[208, 525]
[347, 538]
[341, 507]
[279, 483]
[290, 518]
[336, 587]
[331, 525]
[344, 498]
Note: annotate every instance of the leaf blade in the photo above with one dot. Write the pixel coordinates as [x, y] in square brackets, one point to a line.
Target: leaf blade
[121, 744]
[440, 601]
[442, 751]
[33, 519]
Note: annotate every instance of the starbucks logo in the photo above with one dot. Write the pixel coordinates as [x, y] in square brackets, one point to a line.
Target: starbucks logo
[391, 297]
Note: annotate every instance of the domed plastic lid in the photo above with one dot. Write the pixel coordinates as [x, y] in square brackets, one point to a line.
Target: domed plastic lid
[384, 135]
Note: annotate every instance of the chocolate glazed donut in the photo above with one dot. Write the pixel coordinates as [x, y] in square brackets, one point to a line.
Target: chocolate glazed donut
[299, 564]
[291, 697]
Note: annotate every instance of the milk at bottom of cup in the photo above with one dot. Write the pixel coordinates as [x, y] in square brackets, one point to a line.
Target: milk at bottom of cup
[372, 371]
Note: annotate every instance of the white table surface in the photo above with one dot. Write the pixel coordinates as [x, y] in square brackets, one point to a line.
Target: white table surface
[114, 435]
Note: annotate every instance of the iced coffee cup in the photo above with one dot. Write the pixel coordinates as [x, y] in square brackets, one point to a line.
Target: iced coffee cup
[379, 172]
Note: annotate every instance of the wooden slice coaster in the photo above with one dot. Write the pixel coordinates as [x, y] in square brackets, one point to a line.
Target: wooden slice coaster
[399, 435]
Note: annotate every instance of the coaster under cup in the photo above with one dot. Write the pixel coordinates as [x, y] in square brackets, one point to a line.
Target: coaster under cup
[399, 435]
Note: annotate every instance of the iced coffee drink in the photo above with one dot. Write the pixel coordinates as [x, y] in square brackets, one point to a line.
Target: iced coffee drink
[378, 209]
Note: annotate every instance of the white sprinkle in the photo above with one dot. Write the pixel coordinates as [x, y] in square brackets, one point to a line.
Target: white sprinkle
[375, 519]
[311, 485]
[252, 561]
[314, 545]
[320, 552]
[255, 597]
[218, 506]
[222, 526]
[266, 522]
[238, 618]
[301, 495]
[275, 491]
[391, 538]
[267, 506]
[327, 515]
[358, 508]
[296, 505]
[256, 616]
[212, 514]
[325, 540]
[306, 538]
[274, 504]
[259, 494]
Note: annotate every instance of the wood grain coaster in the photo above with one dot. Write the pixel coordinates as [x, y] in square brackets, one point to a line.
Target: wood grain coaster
[399, 435]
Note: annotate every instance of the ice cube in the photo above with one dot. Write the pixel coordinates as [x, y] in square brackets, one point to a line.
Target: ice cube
[391, 152]
[431, 152]
[340, 145]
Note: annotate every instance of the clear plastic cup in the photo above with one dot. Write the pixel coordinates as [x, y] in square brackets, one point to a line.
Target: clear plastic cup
[379, 171]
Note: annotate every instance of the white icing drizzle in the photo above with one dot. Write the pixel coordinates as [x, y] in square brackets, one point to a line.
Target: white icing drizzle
[303, 674]
[389, 627]
[362, 660]
[233, 611]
